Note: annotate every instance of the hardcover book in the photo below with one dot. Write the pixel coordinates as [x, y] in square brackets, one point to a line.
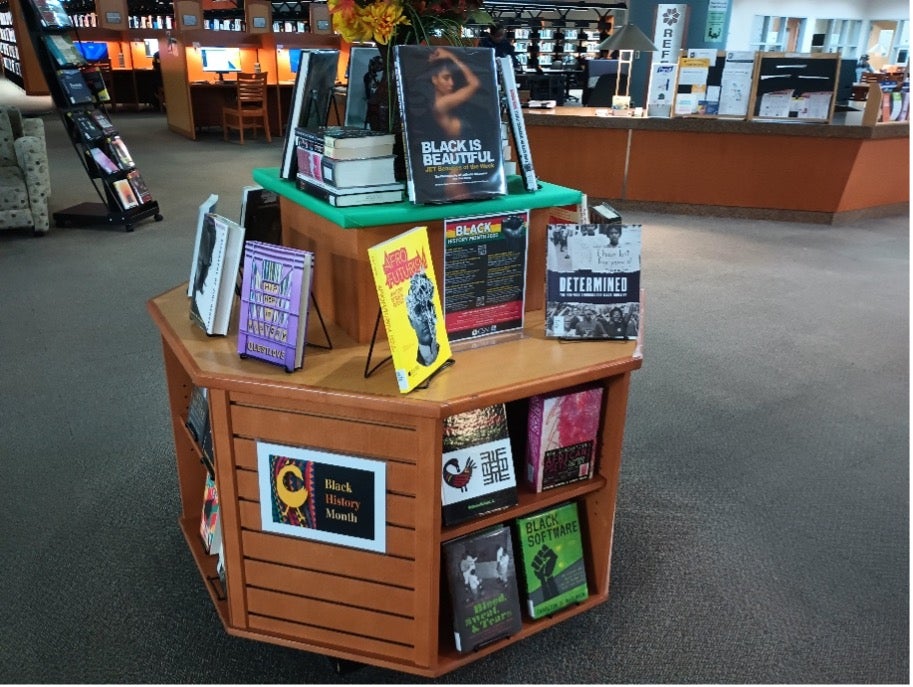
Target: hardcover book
[74, 86]
[275, 293]
[198, 413]
[451, 120]
[61, 48]
[209, 517]
[551, 553]
[125, 194]
[139, 186]
[592, 288]
[311, 99]
[218, 260]
[482, 579]
[517, 123]
[411, 306]
[207, 206]
[477, 473]
[345, 143]
[52, 15]
[345, 173]
[260, 214]
[562, 431]
[334, 197]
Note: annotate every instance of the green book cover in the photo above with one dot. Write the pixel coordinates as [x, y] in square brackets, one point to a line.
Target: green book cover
[551, 549]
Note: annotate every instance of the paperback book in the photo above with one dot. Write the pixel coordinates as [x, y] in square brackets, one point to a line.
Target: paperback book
[51, 14]
[344, 142]
[120, 153]
[477, 474]
[105, 164]
[218, 260]
[275, 299]
[209, 518]
[143, 194]
[551, 552]
[103, 122]
[592, 288]
[451, 119]
[74, 86]
[562, 431]
[85, 126]
[517, 123]
[125, 194]
[411, 306]
[367, 171]
[61, 48]
[482, 580]
[96, 83]
[349, 197]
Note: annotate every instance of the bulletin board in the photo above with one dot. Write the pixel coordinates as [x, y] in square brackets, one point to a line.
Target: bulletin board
[714, 83]
[795, 86]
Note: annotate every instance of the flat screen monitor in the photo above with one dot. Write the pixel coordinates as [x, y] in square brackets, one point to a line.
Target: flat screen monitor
[221, 60]
[294, 59]
[92, 50]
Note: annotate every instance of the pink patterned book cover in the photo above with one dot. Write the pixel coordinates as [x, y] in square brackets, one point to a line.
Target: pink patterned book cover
[563, 428]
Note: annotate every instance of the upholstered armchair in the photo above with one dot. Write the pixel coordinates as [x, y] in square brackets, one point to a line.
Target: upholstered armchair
[25, 182]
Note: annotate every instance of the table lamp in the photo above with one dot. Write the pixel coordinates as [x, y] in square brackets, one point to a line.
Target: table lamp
[628, 39]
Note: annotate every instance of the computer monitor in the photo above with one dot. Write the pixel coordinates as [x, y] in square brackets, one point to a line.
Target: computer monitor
[92, 50]
[150, 46]
[221, 60]
[294, 59]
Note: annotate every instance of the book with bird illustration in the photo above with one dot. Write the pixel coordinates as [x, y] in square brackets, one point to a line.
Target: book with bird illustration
[477, 467]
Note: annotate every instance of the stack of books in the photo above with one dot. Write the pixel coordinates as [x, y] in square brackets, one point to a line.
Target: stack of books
[347, 166]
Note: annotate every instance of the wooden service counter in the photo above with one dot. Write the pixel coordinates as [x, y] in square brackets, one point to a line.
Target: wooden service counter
[773, 170]
[344, 286]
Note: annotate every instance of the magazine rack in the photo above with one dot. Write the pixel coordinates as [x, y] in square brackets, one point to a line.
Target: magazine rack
[109, 185]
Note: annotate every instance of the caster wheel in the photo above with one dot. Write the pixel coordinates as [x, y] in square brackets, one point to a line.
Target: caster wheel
[159, 218]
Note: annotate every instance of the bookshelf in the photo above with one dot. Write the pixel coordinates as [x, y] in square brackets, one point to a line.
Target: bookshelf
[386, 609]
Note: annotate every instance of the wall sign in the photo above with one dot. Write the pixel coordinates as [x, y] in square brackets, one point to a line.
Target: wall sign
[716, 21]
[328, 497]
[669, 31]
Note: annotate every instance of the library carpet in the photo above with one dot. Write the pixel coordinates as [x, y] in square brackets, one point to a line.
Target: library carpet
[763, 509]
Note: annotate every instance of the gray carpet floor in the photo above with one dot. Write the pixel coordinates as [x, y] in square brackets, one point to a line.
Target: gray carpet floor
[762, 531]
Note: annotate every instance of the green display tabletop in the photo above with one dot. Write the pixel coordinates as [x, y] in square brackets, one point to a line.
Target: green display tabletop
[548, 195]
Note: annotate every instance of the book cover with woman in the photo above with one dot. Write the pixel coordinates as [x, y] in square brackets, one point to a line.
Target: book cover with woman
[451, 123]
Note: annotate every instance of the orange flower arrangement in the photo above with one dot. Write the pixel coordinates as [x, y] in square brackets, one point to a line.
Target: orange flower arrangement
[404, 21]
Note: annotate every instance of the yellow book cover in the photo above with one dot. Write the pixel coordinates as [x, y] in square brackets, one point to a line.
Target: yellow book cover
[411, 306]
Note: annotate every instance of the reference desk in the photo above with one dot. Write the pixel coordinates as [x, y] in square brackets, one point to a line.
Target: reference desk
[795, 171]
[344, 287]
[388, 608]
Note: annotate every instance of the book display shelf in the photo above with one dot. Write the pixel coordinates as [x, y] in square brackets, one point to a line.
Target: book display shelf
[387, 608]
[79, 91]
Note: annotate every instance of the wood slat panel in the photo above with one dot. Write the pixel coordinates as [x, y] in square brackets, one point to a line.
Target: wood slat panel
[333, 559]
[340, 436]
[401, 477]
[400, 541]
[346, 590]
[400, 512]
[326, 614]
[339, 640]
[344, 411]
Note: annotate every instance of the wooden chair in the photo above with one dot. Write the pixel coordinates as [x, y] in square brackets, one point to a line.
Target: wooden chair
[249, 109]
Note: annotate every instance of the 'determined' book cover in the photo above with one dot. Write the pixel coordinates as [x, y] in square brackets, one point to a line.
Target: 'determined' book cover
[551, 550]
[451, 123]
[592, 283]
[482, 578]
[410, 305]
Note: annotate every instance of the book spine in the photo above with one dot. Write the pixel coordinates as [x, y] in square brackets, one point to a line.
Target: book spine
[518, 124]
[534, 443]
[311, 143]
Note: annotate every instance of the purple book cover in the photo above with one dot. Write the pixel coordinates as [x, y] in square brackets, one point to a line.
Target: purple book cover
[274, 303]
[563, 428]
